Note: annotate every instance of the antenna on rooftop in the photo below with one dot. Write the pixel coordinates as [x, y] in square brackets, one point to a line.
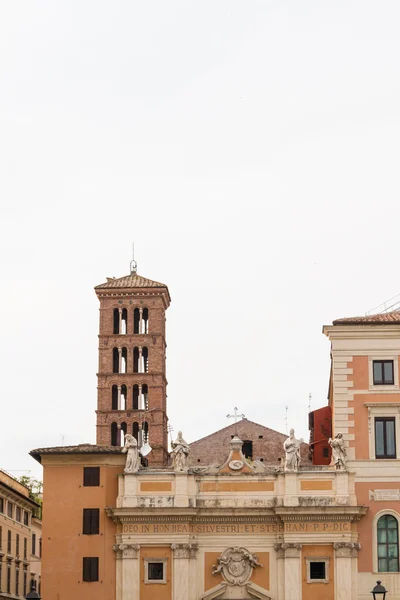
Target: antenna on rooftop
[386, 307]
[286, 418]
[309, 402]
[133, 261]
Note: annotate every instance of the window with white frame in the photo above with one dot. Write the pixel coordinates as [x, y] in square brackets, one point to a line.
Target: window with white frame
[383, 429]
[388, 543]
[385, 437]
[155, 570]
[383, 373]
[317, 569]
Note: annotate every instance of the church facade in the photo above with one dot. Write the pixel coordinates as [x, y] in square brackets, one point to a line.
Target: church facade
[261, 521]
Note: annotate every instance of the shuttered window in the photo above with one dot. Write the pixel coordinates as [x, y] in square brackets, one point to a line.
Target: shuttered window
[91, 476]
[91, 521]
[90, 568]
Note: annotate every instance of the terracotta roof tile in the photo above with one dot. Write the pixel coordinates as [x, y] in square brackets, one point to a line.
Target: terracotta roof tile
[80, 449]
[390, 318]
[130, 281]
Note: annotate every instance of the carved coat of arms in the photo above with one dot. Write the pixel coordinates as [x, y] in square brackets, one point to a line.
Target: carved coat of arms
[236, 565]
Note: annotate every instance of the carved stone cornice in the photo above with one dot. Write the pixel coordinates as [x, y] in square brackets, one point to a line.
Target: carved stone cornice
[346, 549]
[184, 550]
[288, 549]
[126, 550]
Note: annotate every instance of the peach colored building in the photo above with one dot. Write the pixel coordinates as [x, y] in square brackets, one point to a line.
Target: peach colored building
[365, 401]
[17, 526]
[237, 524]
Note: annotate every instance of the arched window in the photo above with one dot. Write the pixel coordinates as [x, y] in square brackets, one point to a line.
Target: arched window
[120, 321]
[114, 398]
[114, 435]
[141, 321]
[135, 431]
[116, 320]
[124, 394]
[140, 359]
[388, 543]
[123, 434]
[135, 397]
[119, 400]
[145, 393]
[136, 321]
[115, 360]
[120, 360]
[145, 430]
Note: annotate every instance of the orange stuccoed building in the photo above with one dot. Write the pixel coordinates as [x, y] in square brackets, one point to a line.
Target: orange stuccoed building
[265, 517]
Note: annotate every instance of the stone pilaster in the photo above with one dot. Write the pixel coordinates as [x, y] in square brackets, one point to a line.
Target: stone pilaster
[345, 556]
[181, 570]
[128, 571]
[290, 555]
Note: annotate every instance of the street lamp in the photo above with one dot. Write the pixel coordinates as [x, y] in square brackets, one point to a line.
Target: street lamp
[33, 595]
[379, 591]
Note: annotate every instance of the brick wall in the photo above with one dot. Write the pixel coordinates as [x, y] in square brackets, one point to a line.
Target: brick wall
[155, 379]
[267, 444]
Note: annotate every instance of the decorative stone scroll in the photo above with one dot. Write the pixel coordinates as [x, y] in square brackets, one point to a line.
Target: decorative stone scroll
[236, 565]
[184, 550]
[126, 550]
[346, 549]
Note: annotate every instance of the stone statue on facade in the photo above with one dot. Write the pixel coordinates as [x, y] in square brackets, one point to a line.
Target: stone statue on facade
[292, 449]
[180, 453]
[132, 459]
[339, 457]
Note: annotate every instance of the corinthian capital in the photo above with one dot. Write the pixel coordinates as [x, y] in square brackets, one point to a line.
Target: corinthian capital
[126, 550]
[184, 550]
[346, 549]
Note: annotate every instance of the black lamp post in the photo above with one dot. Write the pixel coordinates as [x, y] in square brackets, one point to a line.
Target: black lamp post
[379, 592]
[33, 595]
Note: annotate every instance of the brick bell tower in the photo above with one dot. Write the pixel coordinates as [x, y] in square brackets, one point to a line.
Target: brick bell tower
[132, 381]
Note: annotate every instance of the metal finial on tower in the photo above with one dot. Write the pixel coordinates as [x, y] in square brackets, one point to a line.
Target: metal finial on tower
[133, 264]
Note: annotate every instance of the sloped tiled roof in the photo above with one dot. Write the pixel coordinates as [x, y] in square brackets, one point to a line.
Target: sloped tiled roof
[130, 281]
[390, 318]
[80, 449]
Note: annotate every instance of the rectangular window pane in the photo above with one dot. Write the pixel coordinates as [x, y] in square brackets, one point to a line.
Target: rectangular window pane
[317, 570]
[393, 564]
[382, 564]
[155, 571]
[382, 552]
[90, 568]
[392, 536]
[388, 372]
[91, 476]
[390, 438]
[379, 439]
[378, 372]
[392, 551]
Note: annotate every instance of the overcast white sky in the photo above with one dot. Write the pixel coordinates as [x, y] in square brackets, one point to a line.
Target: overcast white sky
[251, 150]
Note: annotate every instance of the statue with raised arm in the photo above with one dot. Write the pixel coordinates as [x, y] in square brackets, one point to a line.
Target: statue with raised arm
[292, 450]
[180, 453]
[132, 459]
[339, 457]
